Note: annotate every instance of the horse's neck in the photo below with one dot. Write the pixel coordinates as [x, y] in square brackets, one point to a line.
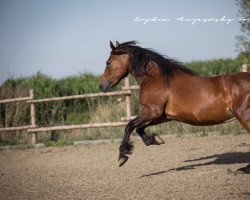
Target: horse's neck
[153, 72]
[139, 79]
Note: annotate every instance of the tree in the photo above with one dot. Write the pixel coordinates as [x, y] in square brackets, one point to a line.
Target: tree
[243, 43]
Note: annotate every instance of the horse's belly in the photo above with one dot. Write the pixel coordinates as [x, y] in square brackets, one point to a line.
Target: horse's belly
[208, 115]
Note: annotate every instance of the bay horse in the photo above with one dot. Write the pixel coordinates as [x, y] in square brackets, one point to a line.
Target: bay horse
[171, 91]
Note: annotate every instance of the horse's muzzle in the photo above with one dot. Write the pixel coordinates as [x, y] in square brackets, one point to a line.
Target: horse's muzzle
[105, 87]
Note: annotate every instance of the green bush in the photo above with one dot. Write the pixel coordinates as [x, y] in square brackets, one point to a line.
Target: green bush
[215, 67]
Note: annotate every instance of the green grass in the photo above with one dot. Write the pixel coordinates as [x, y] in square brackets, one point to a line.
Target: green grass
[58, 143]
[4, 142]
[201, 134]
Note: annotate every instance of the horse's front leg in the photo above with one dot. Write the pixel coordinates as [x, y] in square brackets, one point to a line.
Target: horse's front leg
[143, 119]
[126, 147]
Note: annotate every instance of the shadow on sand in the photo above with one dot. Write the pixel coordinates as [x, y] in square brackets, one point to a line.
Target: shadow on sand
[218, 159]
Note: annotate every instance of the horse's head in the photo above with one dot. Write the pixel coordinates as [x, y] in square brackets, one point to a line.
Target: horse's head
[117, 67]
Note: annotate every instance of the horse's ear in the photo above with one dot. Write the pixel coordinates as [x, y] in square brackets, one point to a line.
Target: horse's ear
[112, 46]
[117, 44]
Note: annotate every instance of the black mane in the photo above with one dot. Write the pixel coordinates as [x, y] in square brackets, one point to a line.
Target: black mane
[140, 57]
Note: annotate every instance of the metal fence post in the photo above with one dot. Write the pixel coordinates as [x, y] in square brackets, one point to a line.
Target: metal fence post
[33, 118]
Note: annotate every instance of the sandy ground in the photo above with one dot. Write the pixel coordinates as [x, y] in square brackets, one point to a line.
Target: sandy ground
[183, 168]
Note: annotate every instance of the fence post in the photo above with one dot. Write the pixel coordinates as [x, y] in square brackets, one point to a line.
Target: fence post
[244, 68]
[33, 117]
[128, 98]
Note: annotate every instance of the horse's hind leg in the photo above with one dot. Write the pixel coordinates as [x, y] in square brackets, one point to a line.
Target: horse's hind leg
[243, 116]
[244, 119]
[153, 139]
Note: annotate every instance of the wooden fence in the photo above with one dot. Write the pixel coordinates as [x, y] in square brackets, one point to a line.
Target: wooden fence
[32, 128]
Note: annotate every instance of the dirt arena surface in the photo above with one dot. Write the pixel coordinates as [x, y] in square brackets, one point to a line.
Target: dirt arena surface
[183, 168]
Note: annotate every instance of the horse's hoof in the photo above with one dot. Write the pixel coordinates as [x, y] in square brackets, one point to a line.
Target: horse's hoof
[158, 140]
[128, 152]
[122, 160]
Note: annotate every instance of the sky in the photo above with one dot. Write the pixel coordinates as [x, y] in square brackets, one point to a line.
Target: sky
[67, 37]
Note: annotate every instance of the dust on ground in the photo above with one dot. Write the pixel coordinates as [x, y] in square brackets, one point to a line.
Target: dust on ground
[183, 168]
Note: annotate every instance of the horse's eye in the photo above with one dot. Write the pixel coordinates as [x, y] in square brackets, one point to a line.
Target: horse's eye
[107, 64]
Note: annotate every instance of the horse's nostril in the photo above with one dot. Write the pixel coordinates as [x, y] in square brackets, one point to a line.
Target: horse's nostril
[105, 86]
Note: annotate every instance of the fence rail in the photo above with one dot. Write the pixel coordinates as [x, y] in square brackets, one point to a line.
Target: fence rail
[80, 126]
[15, 100]
[127, 90]
[84, 96]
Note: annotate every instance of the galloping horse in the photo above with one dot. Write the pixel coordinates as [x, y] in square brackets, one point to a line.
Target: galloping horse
[171, 91]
